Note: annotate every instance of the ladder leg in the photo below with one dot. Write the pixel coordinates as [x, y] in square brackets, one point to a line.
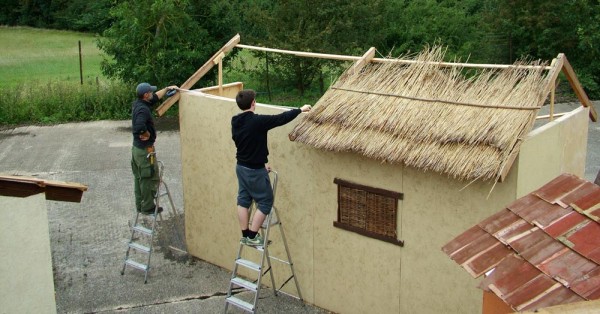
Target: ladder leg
[289, 256]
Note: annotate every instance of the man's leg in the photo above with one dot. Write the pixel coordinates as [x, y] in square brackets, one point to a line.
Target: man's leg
[136, 183]
[243, 217]
[257, 220]
[148, 179]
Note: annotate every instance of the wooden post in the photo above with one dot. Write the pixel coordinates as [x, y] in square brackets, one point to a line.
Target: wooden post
[198, 75]
[80, 64]
[552, 92]
[219, 61]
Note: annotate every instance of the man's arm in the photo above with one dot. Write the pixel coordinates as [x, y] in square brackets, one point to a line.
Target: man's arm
[284, 117]
[140, 116]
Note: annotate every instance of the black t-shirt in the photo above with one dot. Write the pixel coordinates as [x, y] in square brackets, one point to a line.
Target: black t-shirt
[249, 132]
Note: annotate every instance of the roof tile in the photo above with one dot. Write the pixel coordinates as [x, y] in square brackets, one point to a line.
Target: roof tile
[588, 286]
[558, 188]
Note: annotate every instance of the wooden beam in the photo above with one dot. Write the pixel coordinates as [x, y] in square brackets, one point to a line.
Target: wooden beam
[383, 60]
[583, 98]
[198, 75]
[366, 58]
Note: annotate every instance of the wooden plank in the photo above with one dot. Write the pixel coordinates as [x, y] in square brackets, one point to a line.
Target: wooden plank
[198, 75]
[302, 53]
[574, 81]
[366, 58]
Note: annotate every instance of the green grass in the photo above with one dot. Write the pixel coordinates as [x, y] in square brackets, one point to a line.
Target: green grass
[31, 55]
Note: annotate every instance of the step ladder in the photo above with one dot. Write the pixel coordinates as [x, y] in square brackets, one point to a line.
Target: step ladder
[258, 267]
[142, 234]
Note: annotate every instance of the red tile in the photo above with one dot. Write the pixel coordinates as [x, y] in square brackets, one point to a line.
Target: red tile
[584, 190]
[564, 224]
[524, 243]
[516, 230]
[498, 221]
[522, 202]
[512, 273]
[586, 239]
[588, 285]
[559, 187]
[567, 267]
[561, 295]
[474, 248]
[542, 251]
[487, 260]
[541, 212]
[595, 215]
[530, 290]
[588, 201]
[463, 240]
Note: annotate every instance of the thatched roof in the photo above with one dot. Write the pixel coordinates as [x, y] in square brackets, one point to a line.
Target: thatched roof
[428, 116]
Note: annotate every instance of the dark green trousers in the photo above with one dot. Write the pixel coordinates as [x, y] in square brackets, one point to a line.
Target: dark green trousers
[145, 177]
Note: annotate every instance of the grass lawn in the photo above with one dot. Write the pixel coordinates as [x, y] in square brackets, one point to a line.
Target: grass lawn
[41, 55]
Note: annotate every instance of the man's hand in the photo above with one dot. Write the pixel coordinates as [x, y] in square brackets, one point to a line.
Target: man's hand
[306, 108]
[145, 136]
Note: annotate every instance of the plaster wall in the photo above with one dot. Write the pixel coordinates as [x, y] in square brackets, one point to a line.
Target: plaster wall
[557, 147]
[27, 284]
[338, 270]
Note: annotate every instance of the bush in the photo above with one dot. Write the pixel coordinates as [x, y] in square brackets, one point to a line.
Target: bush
[59, 102]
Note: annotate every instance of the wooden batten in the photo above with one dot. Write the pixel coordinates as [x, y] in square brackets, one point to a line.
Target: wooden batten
[583, 98]
[199, 74]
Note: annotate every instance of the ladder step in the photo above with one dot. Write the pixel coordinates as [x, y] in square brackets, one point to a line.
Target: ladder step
[142, 229]
[240, 304]
[137, 265]
[248, 264]
[244, 283]
[139, 247]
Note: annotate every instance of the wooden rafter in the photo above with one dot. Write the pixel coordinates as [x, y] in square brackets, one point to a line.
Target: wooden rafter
[583, 98]
[199, 74]
[366, 58]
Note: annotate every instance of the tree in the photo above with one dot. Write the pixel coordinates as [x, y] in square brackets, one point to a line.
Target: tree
[543, 29]
[163, 41]
[336, 26]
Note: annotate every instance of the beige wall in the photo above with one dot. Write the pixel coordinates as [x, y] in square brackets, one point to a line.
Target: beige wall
[27, 284]
[337, 269]
[557, 147]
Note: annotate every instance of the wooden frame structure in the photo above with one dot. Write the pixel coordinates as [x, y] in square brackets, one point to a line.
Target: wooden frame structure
[560, 63]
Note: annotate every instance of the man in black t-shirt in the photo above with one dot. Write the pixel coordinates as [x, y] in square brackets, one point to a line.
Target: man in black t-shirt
[249, 132]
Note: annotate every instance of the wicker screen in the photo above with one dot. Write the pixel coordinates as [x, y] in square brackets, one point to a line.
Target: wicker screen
[366, 210]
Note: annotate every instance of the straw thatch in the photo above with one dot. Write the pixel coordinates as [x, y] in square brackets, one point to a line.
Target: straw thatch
[428, 116]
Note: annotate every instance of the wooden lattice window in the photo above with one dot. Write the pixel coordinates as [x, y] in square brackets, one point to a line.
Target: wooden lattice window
[368, 211]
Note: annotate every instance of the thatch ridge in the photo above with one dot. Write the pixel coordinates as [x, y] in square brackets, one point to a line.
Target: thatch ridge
[427, 116]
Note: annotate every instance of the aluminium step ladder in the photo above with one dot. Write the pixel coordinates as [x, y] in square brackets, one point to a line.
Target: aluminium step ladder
[257, 267]
[147, 231]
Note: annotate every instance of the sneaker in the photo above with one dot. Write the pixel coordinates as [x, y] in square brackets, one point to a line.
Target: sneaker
[243, 240]
[257, 241]
[151, 211]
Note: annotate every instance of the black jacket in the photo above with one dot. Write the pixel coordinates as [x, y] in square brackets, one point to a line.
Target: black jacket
[142, 121]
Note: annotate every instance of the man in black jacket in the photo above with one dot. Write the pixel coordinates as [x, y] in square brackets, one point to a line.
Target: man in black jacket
[145, 170]
[249, 132]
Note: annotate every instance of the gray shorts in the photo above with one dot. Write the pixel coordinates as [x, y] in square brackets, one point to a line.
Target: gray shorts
[254, 185]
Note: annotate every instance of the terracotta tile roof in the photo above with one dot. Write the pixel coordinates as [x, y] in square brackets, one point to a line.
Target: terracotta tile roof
[542, 250]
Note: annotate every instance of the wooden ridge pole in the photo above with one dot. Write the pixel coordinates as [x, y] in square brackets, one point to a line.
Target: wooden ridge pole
[198, 75]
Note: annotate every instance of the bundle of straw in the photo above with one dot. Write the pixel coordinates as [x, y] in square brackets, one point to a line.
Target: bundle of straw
[428, 116]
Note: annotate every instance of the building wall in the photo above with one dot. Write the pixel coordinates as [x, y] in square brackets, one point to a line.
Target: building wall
[27, 284]
[338, 270]
[557, 147]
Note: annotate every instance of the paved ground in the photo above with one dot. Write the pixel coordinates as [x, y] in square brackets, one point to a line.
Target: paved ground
[88, 239]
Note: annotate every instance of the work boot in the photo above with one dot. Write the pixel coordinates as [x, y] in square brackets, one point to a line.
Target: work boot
[152, 211]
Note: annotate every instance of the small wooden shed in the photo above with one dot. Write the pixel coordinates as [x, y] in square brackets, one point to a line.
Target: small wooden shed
[396, 158]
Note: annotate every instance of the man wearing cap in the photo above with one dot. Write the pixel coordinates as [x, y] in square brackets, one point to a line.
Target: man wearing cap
[145, 170]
